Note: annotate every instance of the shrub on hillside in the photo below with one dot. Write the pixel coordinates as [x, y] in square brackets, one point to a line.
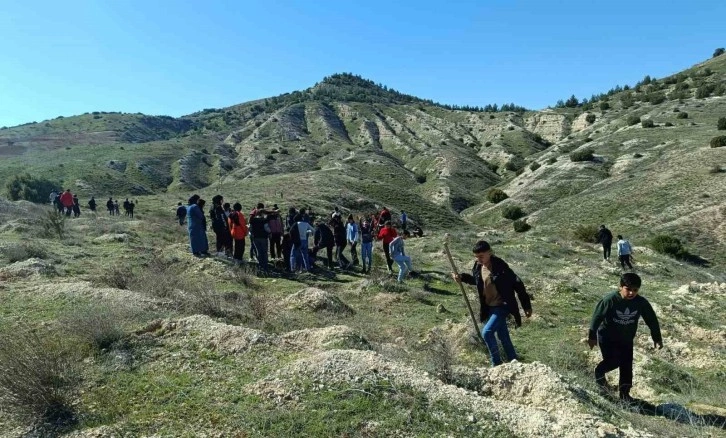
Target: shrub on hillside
[590, 118]
[637, 155]
[54, 224]
[718, 142]
[513, 212]
[669, 245]
[521, 226]
[647, 124]
[487, 144]
[655, 98]
[24, 251]
[586, 233]
[30, 188]
[721, 125]
[668, 124]
[534, 166]
[704, 91]
[496, 196]
[604, 106]
[682, 115]
[633, 120]
[513, 165]
[37, 380]
[97, 326]
[552, 160]
[582, 155]
[718, 52]
[420, 178]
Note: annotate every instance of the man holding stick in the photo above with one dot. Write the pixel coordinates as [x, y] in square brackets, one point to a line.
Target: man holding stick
[496, 285]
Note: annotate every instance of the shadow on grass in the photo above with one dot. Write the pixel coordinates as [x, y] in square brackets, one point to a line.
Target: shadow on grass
[673, 411]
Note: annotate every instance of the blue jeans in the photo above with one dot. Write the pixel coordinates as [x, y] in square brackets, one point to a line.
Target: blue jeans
[497, 323]
[403, 262]
[366, 254]
[261, 246]
[299, 255]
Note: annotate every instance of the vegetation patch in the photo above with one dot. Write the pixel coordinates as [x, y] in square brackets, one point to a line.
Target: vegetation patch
[496, 196]
[582, 155]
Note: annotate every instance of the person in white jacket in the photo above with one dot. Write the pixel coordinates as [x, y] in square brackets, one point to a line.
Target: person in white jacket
[624, 252]
[351, 234]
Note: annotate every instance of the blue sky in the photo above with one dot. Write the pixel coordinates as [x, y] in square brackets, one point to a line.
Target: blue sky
[175, 57]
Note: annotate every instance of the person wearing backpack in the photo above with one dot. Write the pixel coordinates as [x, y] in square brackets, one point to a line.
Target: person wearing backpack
[624, 252]
[238, 231]
[366, 245]
[605, 237]
[351, 234]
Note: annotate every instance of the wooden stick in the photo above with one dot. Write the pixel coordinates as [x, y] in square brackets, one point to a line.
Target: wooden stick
[463, 292]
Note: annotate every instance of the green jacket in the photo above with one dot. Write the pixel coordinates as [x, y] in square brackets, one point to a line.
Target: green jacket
[616, 319]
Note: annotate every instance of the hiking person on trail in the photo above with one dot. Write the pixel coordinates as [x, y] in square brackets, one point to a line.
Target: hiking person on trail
[351, 233]
[57, 203]
[260, 237]
[290, 219]
[387, 234]
[613, 327]
[227, 210]
[398, 253]
[92, 204]
[109, 206]
[181, 213]
[385, 215]
[66, 200]
[52, 196]
[299, 233]
[340, 242]
[126, 207]
[219, 226]
[76, 206]
[132, 205]
[197, 227]
[404, 221]
[336, 213]
[605, 237]
[496, 285]
[366, 245]
[323, 238]
[238, 231]
[276, 228]
[624, 252]
[115, 208]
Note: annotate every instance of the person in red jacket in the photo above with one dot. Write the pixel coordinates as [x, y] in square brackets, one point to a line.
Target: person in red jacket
[66, 200]
[387, 234]
[238, 230]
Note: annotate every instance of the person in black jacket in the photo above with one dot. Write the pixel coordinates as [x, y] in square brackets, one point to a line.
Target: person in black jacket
[323, 238]
[496, 285]
[340, 242]
[220, 227]
[605, 237]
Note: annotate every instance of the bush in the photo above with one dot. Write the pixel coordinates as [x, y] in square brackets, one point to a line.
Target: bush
[637, 155]
[534, 166]
[586, 233]
[420, 178]
[669, 245]
[37, 380]
[116, 276]
[704, 91]
[655, 98]
[552, 160]
[54, 223]
[633, 120]
[513, 212]
[512, 165]
[668, 124]
[721, 125]
[718, 52]
[30, 188]
[98, 326]
[442, 355]
[590, 118]
[521, 226]
[604, 106]
[487, 144]
[647, 124]
[496, 196]
[24, 251]
[682, 115]
[718, 142]
[582, 155]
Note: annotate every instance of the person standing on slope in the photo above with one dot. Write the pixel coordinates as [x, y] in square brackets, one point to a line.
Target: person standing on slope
[496, 285]
[274, 220]
[398, 254]
[76, 206]
[260, 237]
[109, 206]
[181, 213]
[238, 231]
[605, 237]
[351, 234]
[340, 242]
[197, 227]
[66, 200]
[92, 204]
[387, 234]
[624, 252]
[613, 327]
[404, 221]
[323, 238]
[219, 226]
[366, 245]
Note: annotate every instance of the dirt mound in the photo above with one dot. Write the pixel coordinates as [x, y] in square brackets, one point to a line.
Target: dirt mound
[85, 289]
[317, 300]
[215, 335]
[27, 268]
[356, 367]
[337, 336]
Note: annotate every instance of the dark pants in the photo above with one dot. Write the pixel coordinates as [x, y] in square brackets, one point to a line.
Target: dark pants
[625, 259]
[261, 247]
[239, 249]
[275, 245]
[606, 250]
[389, 260]
[329, 250]
[353, 253]
[616, 355]
[181, 219]
[131, 213]
[224, 241]
[342, 261]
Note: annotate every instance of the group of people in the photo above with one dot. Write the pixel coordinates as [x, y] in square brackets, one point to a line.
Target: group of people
[613, 325]
[287, 239]
[625, 250]
[68, 203]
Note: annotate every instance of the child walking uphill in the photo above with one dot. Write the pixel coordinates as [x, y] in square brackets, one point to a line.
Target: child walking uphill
[496, 284]
[613, 327]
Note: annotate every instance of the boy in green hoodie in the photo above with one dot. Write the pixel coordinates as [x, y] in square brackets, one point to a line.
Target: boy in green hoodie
[613, 327]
